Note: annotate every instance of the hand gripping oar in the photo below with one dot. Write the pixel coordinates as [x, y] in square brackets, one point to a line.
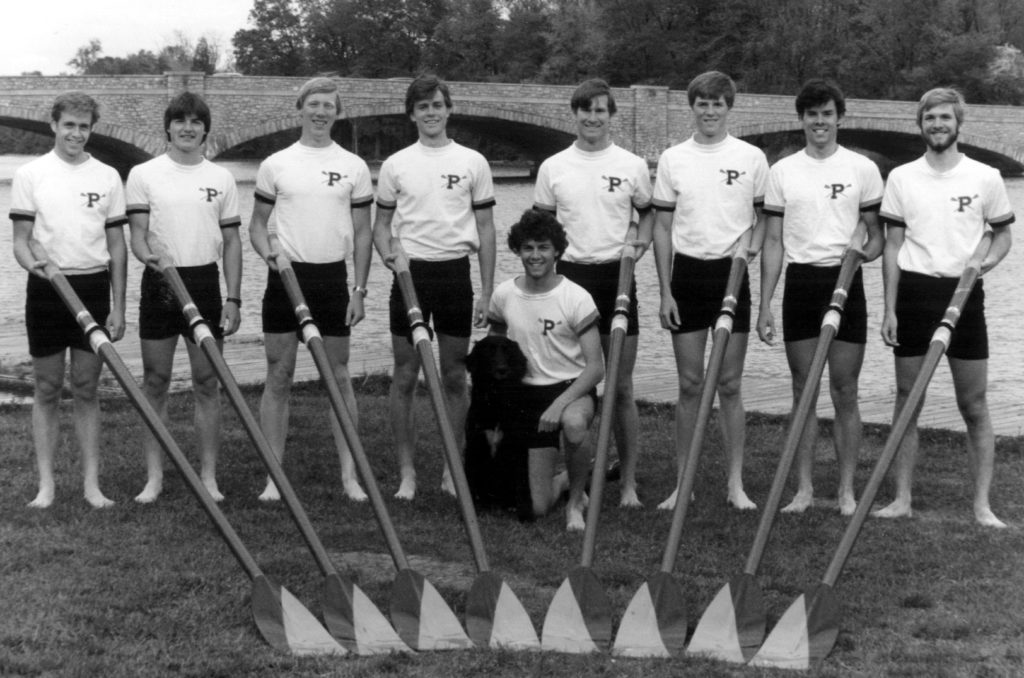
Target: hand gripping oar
[579, 619]
[494, 615]
[654, 624]
[733, 625]
[349, 614]
[807, 631]
[421, 617]
[280, 617]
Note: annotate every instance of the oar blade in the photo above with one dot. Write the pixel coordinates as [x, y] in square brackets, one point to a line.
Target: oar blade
[805, 634]
[579, 619]
[355, 621]
[495, 617]
[732, 627]
[422, 618]
[654, 624]
[286, 624]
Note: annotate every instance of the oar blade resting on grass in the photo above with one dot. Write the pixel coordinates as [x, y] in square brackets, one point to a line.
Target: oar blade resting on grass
[422, 618]
[286, 624]
[806, 632]
[495, 617]
[654, 624]
[579, 619]
[351, 617]
[732, 627]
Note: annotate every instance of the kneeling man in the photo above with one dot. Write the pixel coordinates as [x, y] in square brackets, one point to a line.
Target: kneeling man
[554, 321]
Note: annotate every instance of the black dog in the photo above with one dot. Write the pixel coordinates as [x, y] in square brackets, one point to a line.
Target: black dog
[496, 459]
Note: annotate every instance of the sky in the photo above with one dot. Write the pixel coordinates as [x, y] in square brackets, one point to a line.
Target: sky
[43, 35]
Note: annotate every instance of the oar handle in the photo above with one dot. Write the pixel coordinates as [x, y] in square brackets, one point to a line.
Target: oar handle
[720, 341]
[314, 342]
[102, 346]
[421, 338]
[808, 397]
[619, 326]
[939, 343]
[204, 338]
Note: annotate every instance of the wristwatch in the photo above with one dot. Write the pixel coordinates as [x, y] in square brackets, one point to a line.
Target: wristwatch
[361, 290]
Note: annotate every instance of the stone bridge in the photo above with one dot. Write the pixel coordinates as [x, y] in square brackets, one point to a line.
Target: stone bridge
[536, 118]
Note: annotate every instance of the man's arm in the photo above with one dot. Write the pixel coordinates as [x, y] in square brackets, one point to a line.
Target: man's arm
[876, 237]
[118, 280]
[382, 234]
[22, 253]
[662, 237]
[771, 270]
[362, 251]
[487, 256]
[590, 377]
[644, 231]
[259, 234]
[1002, 239]
[138, 238]
[894, 237]
[231, 315]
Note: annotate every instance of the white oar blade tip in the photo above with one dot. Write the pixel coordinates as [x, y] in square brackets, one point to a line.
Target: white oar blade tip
[511, 627]
[439, 629]
[564, 629]
[374, 635]
[788, 645]
[303, 633]
[716, 635]
[638, 634]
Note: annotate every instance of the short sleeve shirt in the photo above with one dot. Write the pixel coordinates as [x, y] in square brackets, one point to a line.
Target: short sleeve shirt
[313, 191]
[594, 195]
[71, 206]
[547, 328]
[435, 193]
[188, 205]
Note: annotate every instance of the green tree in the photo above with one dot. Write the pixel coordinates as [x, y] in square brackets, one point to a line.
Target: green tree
[276, 44]
[465, 42]
[522, 46]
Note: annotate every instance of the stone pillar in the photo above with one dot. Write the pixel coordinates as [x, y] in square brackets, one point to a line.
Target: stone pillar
[650, 121]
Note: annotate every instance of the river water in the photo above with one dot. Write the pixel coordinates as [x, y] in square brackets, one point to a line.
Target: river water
[1005, 287]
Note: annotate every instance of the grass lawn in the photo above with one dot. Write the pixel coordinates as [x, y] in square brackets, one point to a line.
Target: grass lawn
[152, 591]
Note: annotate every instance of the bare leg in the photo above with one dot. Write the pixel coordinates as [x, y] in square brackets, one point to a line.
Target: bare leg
[48, 373]
[689, 352]
[626, 422]
[207, 418]
[970, 379]
[337, 354]
[576, 420]
[799, 355]
[403, 422]
[453, 352]
[733, 418]
[906, 371]
[85, 376]
[280, 349]
[844, 363]
[157, 363]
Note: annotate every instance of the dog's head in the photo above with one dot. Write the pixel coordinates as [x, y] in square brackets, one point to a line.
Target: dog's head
[496, 360]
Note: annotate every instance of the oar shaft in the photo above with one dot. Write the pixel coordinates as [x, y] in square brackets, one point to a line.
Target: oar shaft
[421, 338]
[939, 343]
[315, 344]
[208, 344]
[102, 345]
[808, 399]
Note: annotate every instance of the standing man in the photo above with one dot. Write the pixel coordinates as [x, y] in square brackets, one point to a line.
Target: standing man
[594, 188]
[73, 206]
[320, 195]
[709, 191]
[182, 206]
[554, 321]
[936, 210]
[434, 200]
[816, 197]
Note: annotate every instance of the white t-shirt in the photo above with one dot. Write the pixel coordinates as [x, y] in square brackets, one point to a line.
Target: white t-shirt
[712, 190]
[594, 195]
[313, 191]
[434, 192]
[821, 201]
[547, 328]
[188, 205]
[71, 206]
[944, 213]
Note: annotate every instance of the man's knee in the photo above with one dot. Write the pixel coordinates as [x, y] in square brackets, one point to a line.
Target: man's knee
[729, 387]
[973, 407]
[575, 426]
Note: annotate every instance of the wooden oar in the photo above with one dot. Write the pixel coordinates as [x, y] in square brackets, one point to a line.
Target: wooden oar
[807, 631]
[732, 627]
[281, 618]
[494, 615]
[421, 617]
[654, 624]
[349, 614]
[579, 619]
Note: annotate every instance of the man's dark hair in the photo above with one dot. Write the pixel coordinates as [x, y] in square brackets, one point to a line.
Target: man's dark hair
[423, 89]
[538, 225]
[712, 85]
[184, 105]
[818, 92]
[590, 90]
[75, 102]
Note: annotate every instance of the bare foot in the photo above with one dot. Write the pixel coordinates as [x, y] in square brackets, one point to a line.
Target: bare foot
[801, 502]
[629, 499]
[447, 484]
[149, 493]
[847, 504]
[741, 501]
[211, 487]
[271, 492]
[354, 491]
[43, 500]
[897, 509]
[574, 517]
[96, 498]
[407, 489]
[985, 517]
[670, 503]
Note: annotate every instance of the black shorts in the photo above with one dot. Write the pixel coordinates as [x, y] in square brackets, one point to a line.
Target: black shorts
[805, 300]
[160, 315]
[50, 325]
[325, 287]
[445, 293]
[921, 301]
[531, 401]
[602, 282]
[698, 286]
